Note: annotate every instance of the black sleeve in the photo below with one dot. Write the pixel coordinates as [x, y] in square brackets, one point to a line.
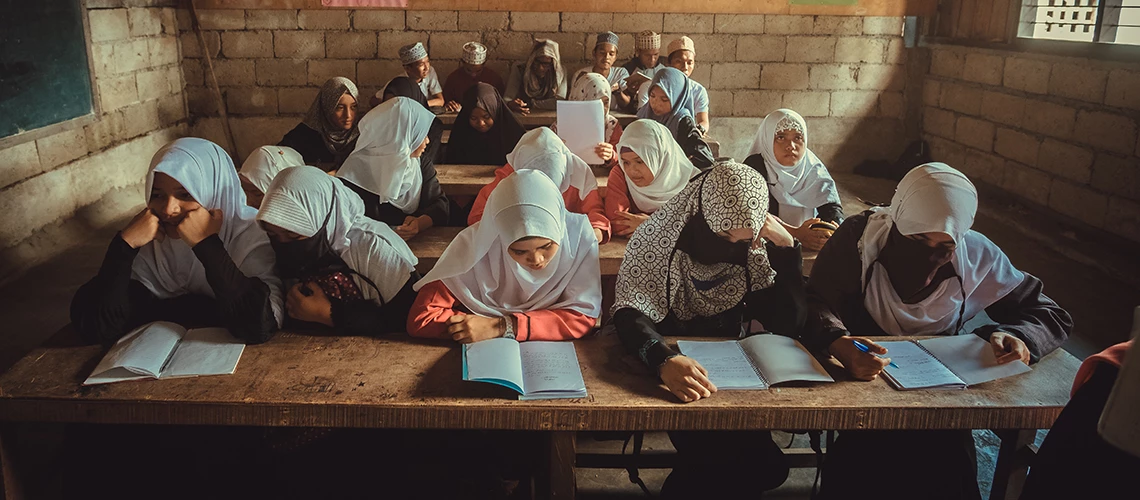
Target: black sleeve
[756, 161]
[369, 318]
[830, 212]
[308, 142]
[693, 144]
[782, 307]
[640, 337]
[1030, 315]
[243, 302]
[834, 282]
[433, 203]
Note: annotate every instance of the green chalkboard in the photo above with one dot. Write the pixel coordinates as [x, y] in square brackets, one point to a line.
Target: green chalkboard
[44, 74]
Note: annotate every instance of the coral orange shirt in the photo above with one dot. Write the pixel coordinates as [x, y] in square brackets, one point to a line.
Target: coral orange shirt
[435, 305]
[1113, 355]
[591, 206]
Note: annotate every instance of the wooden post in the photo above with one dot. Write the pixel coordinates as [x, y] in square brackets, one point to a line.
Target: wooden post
[1011, 468]
[556, 479]
[232, 149]
[10, 488]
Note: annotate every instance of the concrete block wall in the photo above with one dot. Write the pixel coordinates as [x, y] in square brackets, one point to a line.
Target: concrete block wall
[845, 74]
[1061, 133]
[52, 190]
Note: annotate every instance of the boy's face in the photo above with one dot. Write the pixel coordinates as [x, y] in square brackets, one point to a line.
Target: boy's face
[418, 70]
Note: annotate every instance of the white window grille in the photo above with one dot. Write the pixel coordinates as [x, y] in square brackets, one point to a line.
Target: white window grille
[1102, 21]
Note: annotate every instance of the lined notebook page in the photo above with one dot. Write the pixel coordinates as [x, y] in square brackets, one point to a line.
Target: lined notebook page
[917, 369]
[728, 366]
[971, 358]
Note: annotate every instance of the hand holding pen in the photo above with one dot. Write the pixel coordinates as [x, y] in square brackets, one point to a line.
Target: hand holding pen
[863, 347]
[860, 356]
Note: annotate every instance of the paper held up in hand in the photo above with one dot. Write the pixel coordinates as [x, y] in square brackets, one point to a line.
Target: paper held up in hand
[581, 125]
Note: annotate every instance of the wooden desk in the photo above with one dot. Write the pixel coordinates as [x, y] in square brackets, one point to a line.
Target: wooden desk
[537, 118]
[396, 382]
[467, 180]
[430, 245]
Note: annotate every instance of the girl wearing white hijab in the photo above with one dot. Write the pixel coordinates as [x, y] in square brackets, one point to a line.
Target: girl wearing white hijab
[700, 266]
[259, 169]
[193, 255]
[802, 191]
[653, 169]
[390, 172]
[916, 268]
[541, 149]
[529, 271]
[354, 274]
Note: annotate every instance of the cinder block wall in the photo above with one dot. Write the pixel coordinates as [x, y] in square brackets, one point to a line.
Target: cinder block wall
[54, 189]
[1058, 132]
[845, 74]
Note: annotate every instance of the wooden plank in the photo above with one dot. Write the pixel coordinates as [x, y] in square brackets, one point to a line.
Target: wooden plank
[536, 118]
[966, 18]
[429, 246]
[467, 180]
[558, 480]
[863, 8]
[399, 382]
[11, 487]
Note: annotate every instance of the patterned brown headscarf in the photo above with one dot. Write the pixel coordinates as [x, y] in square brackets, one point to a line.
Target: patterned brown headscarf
[321, 115]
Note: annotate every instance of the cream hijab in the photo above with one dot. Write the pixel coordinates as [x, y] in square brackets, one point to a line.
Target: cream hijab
[671, 168]
[478, 270]
[382, 162]
[595, 87]
[800, 188]
[935, 198]
[168, 267]
[300, 199]
[266, 162]
[541, 149]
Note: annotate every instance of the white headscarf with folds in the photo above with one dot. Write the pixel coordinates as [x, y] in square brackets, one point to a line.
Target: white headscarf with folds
[301, 198]
[382, 162]
[800, 188]
[935, 198]
[671, 168]
[478, 269]
[266, 162]
[541, 149]
[168, 267]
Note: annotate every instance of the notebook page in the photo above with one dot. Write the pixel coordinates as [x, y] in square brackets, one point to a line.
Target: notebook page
[783, 359]
[971, 358]
[917, 369]
[142, 351]
[205, 351]
[551, 367]
[494, 360]
[582, 125]
[728, 366]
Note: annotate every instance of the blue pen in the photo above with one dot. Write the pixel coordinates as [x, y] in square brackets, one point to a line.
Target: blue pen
[863, 347]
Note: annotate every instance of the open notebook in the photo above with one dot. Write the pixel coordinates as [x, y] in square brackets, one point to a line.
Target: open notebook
[535, 370]
[166, 350]
[756, 362]
[954, 362]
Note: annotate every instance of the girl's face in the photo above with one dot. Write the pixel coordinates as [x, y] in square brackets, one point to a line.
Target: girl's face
[533, 253]
[604, 56]
[684, 61]
[788, 147]
[170, 202]
[481, 120]
[345, 112]
[253, 196]
[736, 235]
[636, 169]
[420, 150]
[659, 101]
[935, 240]
[280, 234]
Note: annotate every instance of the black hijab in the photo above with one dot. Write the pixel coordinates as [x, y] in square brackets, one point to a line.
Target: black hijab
[402, 86]
[469, 146]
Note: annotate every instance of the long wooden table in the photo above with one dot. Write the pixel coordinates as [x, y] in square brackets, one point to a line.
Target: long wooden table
[467, 180]
[539, 118]
[397, 382]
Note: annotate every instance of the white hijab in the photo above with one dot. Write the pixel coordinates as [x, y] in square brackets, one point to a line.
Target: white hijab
[671, 168]
[541, 149]
[300, 199]
[800, 188]
[168, 267]
[478, 270]
[935, 198]
[266, 162]
[382, 162]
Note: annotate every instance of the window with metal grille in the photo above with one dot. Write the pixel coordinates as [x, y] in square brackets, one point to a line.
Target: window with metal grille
[1101, 21]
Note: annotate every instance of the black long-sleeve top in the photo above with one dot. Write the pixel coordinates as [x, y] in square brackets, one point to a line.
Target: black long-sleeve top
[433, 202]
[312, 147]
[830, 212]
[835, 301]
[692, 142]
[781, 308]
[112, 304]
[370, 318]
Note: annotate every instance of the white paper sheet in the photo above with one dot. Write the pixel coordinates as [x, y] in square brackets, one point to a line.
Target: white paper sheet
[494, 360]
[582, 125]
[140, 353]
[205, 351]
[551, 367]
[917, 369]
[728, 366]
[783, 359]
[971, 358]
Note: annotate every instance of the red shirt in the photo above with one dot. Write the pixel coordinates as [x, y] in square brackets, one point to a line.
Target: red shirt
[435, 305]
[1113, 355]
[459, 81]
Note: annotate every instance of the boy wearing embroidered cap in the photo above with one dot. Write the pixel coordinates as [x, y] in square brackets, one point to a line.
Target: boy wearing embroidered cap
[471, 71]
[644, 65]
[414, 57]
[683, 56]
[605, 53]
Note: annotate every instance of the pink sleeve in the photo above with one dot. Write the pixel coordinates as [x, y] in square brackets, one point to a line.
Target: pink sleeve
[553, 324]
[429, 314]
[481, 200]
[617, 196]
[591, 207]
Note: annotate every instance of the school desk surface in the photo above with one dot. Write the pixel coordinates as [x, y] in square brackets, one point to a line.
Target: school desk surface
[538, 118]
[467, 180]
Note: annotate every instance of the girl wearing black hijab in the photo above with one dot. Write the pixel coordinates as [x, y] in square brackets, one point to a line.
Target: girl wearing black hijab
[485, 130]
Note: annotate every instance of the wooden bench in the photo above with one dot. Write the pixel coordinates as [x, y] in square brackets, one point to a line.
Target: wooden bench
[467, 180]
[429, 245]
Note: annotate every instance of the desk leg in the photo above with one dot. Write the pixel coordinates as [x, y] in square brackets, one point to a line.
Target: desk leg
[556, 480]
[1012, 466]
[10, 488]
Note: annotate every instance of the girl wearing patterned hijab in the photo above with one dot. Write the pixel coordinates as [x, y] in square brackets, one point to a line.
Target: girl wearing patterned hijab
[593, 87]
[328, 133]
[485, 130]
[916, 268]
[193, 255]
[710, 262]
[671, 104]
[653, 170]
[354, 274]
[539, 82]
[802, 191]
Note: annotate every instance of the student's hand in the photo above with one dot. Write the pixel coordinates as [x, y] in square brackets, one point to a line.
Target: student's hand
[468, 328]
[598, 234]
[314, 307]
[1008, 348]
[773, 230]
[812, 239]
[686, 379]
[519, 106]
[629, 222]
[199, 224]
[605, 151]
[142, 229]
[409, 228]
[861, 365]
[452, 107]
